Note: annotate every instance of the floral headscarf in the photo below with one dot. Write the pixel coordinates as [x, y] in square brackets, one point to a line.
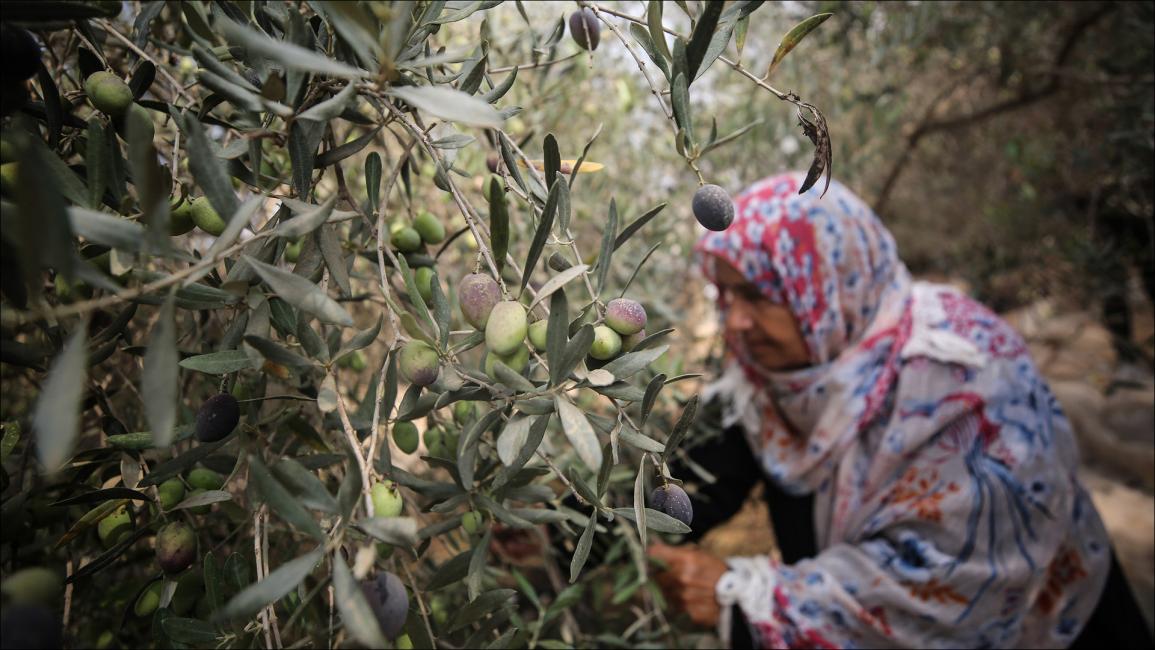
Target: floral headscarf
[947, 509]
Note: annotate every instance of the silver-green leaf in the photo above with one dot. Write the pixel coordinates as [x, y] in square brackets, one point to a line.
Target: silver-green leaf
[57, 415]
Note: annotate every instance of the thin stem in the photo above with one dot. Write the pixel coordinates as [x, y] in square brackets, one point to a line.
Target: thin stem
[540, 64]
[420, 601]
[301, 398]
[351, 438]
[258, 556]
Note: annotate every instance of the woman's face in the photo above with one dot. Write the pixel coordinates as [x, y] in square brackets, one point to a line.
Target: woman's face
[768, 331]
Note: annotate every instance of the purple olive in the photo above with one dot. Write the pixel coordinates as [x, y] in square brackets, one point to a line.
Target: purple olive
[713, 207]
[585, 29]
[672, 500]
[217, 417]
[386, 596]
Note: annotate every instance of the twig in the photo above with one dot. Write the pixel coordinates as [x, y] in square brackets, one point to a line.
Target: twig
[257, 552]
[566, 481]
[351, 438]
[529, 66]
[378, 398]
[265, 558]
[420, 601]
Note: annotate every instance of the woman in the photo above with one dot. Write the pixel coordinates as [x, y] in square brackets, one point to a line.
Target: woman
[922, 477]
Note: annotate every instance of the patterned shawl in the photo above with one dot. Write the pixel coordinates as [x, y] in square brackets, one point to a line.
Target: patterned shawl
[947, 508]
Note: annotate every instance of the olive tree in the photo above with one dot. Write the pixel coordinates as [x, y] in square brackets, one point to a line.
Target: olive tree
[294, 365]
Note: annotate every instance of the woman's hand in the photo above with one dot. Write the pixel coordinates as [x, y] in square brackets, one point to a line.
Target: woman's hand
[689, 580]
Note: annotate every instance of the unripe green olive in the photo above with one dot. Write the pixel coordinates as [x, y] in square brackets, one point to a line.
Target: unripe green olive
[464, 412]
[170, 493]
[205, 479]
[149, 599]
[206, 217]
[180, 220]
[607, 343]
[430, 229]
[538, 334]
[472, 521]
[293, 252]
[406, 240]
[406, 437]
[108, 93]
[516, 361]
[354, 361]
[506, 328]
[199, 510]
[115, 527]
[33, 585]
[436, 443]
[387, 500]
[423, 277]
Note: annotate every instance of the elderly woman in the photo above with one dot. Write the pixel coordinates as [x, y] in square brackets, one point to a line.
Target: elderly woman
[921, 477]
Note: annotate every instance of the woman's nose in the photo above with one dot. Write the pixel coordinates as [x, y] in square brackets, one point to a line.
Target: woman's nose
[738, 317]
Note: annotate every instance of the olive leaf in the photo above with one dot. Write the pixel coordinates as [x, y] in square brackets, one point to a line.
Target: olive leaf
[792, 39]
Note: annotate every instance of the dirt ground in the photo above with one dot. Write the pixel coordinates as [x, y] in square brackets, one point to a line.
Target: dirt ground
[1112, 408]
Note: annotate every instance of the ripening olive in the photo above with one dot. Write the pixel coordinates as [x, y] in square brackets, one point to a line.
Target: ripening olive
[478, 294]
[419, 363]
[625, 316]
[176, 547]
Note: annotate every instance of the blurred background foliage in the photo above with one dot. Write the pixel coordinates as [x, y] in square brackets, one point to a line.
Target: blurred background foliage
[1008, 145]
